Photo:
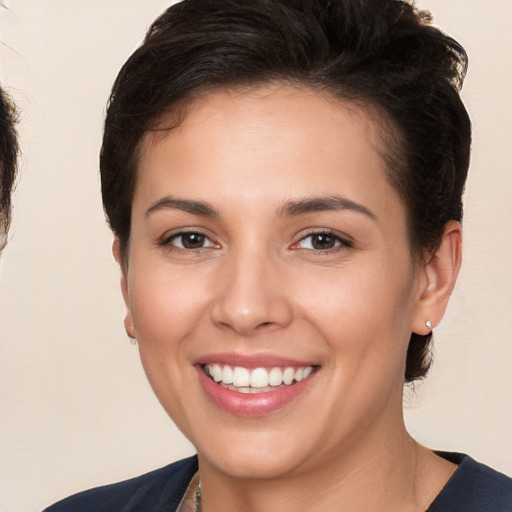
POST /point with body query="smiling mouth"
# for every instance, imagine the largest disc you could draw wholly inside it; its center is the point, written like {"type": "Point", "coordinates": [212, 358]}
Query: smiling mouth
{"type": "Point", "coordinates": [256, 380]}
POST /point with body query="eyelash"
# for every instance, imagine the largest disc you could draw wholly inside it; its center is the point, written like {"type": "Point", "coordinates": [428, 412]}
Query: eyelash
{"type": "Point", "coordinates": [339, 242]}
{"type": "Point", "coordinates": [168, 241]}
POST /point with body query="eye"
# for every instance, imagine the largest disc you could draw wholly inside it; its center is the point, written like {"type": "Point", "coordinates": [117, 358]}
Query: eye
{"type": "Point", "coordinates": [189, 240]}
{"type": "Point", "coordinates": [322, 241]}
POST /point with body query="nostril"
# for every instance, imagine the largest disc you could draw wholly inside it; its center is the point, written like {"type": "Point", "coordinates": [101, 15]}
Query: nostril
{"type": "Point", "coordinates": [267, 325]}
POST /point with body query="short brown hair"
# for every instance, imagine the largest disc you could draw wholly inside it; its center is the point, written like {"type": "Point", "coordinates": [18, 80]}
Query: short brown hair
{"type": "Point", "coordinates": [8, 161]}
{"type": "Point", "coordinates": [382, 53]}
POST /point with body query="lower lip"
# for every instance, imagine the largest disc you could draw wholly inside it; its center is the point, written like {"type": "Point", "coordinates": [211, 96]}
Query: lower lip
{"type": "Point", "coordinates": [251, 404]}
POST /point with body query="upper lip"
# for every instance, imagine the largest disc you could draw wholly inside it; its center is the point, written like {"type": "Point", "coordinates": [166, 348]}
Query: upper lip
{"type": "Point", "coordinates": [261, 360]}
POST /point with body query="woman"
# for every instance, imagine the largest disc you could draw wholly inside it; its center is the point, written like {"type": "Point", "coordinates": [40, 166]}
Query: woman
{"type": "Point", "coordinates": [284, 181]}
{"type": "Point", "coordinates": [8, 162]}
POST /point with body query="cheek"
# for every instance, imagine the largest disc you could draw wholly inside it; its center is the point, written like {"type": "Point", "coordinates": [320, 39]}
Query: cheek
{"type": "Point", "coordinates": [363, 312]}
{"type": "Point", "coordinates": [166, 305]}
{"type": "Point", "coordinates": [367, 295]}
{"type": "Point", "coordinates": [166, 309]}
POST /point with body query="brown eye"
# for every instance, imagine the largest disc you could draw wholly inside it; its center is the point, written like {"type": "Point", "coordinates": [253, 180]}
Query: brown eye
{"type": "Point", "coordinates": [323, 241]}
{"type": "Point", "coordinates": [190, 240]}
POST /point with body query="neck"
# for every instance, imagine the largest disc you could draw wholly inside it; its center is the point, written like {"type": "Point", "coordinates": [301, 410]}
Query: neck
{"type": "Point", "coordinates": [379, 475]}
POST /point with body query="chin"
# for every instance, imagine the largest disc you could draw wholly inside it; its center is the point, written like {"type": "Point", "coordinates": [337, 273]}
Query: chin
{"type": "Point", "coordinates": [252, 463]}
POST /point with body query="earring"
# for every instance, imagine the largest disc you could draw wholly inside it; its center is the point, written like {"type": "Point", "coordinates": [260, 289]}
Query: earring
{"type": "Point", "coordinates": [133, 341]}
{"type": "Point", "coordinates": [428, 323]}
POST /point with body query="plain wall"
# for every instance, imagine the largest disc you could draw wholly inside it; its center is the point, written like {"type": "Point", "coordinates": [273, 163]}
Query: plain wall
{"type": "Point", "coordinates": [75, 408]}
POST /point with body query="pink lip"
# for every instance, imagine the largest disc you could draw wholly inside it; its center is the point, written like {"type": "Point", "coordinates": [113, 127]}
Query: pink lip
{"type": "Point", "coordinates": [253, 404]}
{"type": "Point", "coordinates": [263, 360]}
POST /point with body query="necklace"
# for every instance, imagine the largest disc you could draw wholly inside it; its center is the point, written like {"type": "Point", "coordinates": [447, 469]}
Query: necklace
{"type": "Point", "coordinates": [198, 497]}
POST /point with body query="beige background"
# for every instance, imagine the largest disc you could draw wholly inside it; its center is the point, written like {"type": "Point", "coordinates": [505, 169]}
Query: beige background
{"type": "Point", "coordinates": [75, 408]}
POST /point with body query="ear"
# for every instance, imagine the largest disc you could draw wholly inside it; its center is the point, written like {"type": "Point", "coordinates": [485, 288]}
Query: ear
{"type": "Point", "coordinates": [128, 319]}
{"type": "Point", "coordinates": [438, 277]}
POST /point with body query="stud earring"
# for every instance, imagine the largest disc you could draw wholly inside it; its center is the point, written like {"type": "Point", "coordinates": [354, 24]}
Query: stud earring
{"type": "Point", "coordinates": [428, 323]}
{"type": "Point", "coordinates": [133, 341]}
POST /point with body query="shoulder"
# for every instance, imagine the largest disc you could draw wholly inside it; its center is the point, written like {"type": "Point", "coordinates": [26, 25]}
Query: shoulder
{"type": "Point", "coordinates": [156, 491]}
{"type": "Point", "coordinates": [474, 487]}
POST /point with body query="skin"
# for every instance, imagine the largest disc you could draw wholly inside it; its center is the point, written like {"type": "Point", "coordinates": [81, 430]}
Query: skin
{"type": "Point", "coordinates": [260, 284]}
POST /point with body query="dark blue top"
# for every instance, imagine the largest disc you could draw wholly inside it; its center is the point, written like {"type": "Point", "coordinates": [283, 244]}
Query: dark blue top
{"type": "Point", "coordinates": [472, 488]}
{"type": "Point", "coordinates": [159, 491]}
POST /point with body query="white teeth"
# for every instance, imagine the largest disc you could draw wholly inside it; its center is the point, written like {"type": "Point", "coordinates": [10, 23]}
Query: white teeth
{"type": "Point", "coordinates": [307, 372]}
{"type": "Point", "coordinates": [227, 375]}
{"type": "Point", "coordinates": [216, 372]}
{"type": "Point", "coordinates": [241, 377]}
{"type": "Point", "coordinates": [275, 377]}
{"type": "Point", "coordinates": [258, 378]}
{"type": "Point", "coordinates": [288, 376]}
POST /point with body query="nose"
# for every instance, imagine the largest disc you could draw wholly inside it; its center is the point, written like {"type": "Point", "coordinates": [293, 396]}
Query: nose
{"type": "Point", "coordinates": [252, 295]}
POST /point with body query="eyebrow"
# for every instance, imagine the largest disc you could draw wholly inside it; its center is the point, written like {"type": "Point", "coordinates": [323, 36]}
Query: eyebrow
{"type": "Point", "coordinates": [186, 205]}
{"type": "Point", "coordinates": [322, 204]}
{"type": "Point", "coordinates": [289, 209]}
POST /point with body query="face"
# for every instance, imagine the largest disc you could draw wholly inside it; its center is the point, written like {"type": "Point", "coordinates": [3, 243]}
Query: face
{"type": "Point", "coordinates": [270, 284]}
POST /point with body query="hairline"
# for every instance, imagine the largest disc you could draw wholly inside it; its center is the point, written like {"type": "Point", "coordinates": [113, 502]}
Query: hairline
{"type": "Point", "coordinates": [380, 121]}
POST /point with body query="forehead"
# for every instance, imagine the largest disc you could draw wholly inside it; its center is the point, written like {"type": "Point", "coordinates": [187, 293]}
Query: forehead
{"type": "Point", "coordinates": [253, 104]}
{"type": "Point", "coordinates": [268, 141]}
